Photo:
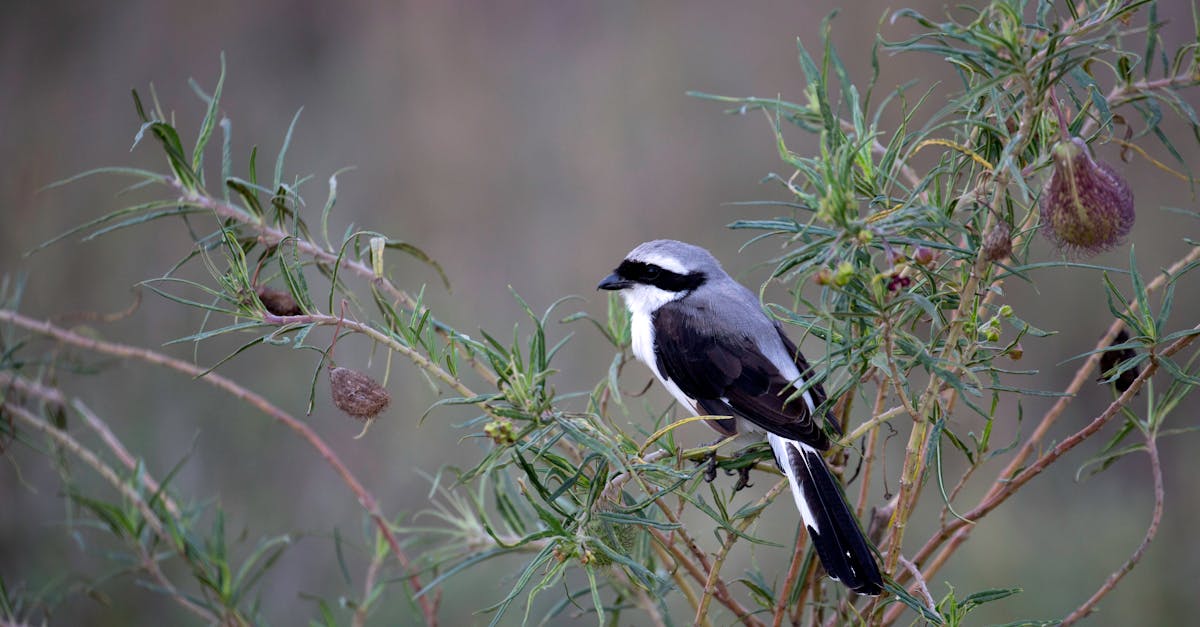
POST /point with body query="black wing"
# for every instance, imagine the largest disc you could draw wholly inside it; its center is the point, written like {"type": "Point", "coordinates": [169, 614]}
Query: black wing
{"type": "Point", "coordinates": [727, 374]}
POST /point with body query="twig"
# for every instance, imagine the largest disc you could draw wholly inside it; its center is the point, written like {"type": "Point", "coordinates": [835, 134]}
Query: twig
{"type": "Point", "coordinates": [710, 585]}
{"type": "Point", "coordinates": [1089, 606]}
{"type": "Point", "coordinates": [957, 530]}
{"type": "Point", "coordinates": [271, 236]}
{"type": "Point", "coordinates": [793, 573]}
{"type": "Point", "coordinates": [920, 581]}
{"type": "Point", "coordinates": [365, 498]}
{"type": "Point", "coordinates": [148, 560]}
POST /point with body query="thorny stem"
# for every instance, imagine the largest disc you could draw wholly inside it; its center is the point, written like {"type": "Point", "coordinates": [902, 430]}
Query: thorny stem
{"type": "Point", "coordinates": [365, 498]}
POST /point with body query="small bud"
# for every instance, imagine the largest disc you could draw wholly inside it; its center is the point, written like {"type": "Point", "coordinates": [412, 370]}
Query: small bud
{"type": "Point", "coordinates": [843, 274]}
{"type": "Point", "coordinates": [923, 255]}
{"type": "Point", "coordinates": [560, 554]}
{"type": "Point", "coordinates": [864, 236]}
{"type": "Point", "coordinates": [1016, 352]}
{"type": "Point", "coordinates": [1006, 311]}
{"type": "Point", "coordinates": [278, 302]}
{"type": "Point", "coordinates": [824, 276]}
{"type": "Point", "coordinates": [1086, 205]}
{"type": "Point", "coordinates": [357, 394]}
{"type": "Point", "coordinates": [997, 242]}
{"type": "Point", "coordinates": [898, 282]}
{"type": "Point", "coordinates": [501, 432]}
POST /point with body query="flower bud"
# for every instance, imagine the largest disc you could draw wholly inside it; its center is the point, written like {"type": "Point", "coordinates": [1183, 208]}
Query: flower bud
{"type": "Point", "coordinates": [843, 274]}
{"type": "Point", "coordinates": [357, 394]}
{"type": "Point", "coordinates": [824, 276]}
{"type": "Point", "coordinates": [500, 431]}
{"type": "Point", "coordinates": [1086, 206]}
{"type": "Point", "coordinates": [923, 255]}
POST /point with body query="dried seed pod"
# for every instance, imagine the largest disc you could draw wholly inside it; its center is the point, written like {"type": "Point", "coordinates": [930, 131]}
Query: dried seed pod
{"type": "Point", "coordinates": [997, 242]}
{"type": "Point", "coordinates": [1086, 206]}
{"type": "Point", "coordinates": [278, 302]}
{"type": "Point", "coordinates": [357, 394]}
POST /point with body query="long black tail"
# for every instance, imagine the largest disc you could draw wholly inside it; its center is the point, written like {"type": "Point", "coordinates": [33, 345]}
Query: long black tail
{"type": "Point", "coordinates": [844, 551]}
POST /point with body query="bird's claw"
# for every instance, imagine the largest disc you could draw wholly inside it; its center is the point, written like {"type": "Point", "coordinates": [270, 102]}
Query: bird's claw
{"type": "Point", "coordinates": [710, 466]}
{"type": "Point", "coordinates": [743, 477]}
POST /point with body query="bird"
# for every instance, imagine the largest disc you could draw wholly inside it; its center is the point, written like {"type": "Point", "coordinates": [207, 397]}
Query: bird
{"type": "Point", "coordinates": [710, 343]}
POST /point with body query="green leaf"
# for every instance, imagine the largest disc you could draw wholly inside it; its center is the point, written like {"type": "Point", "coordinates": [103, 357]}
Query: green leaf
{"type": "Point", "coordinates": [210, 117]}
{"type": "Point", "coordinates": [913, 603]}
{"type": "Point", "coordinates": [287, 141]}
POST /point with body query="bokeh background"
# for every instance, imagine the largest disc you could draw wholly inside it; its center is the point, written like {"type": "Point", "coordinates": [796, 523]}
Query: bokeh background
{"type": "Point", "coordinates": [520, 144]}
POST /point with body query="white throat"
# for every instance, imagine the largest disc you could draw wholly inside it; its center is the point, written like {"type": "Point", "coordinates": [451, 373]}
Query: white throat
{"type": "Point", "coordinates": [643, 301]}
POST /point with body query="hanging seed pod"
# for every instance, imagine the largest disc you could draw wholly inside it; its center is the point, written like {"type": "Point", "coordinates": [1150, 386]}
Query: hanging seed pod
{"type": "Point", "coordinates": [1086, 206]}
{"type": "Point", "coordinates": [357, 394]}
{"type": "Point", "coordinates": [997, 242]}
{"type": "Point", "coordinates": [278, 302]}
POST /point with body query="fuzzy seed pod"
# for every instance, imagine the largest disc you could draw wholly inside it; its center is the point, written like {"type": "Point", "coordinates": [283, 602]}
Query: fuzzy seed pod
{"type": "Point", "coordinates": [997, 242]}
{"type": "Point", "coordinates": [278, 302]}
{"type": "Point", "coordinates": [1086, 206]}
{"type": "Point", "coordinates": [357, 394]}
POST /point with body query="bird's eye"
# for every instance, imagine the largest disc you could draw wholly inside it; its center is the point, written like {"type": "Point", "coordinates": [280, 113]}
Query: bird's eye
{"type": "Point", "coordinates": [652, 272]}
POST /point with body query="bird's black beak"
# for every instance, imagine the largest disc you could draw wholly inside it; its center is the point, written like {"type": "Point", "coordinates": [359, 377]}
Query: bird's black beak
{"type": "Point", "coordinates": [613, 282]}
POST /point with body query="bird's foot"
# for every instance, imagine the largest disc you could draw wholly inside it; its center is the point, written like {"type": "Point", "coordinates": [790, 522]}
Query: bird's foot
{"type": "Point", "coordinates": [743, 474]}
{"type": "Point", "coordinates": [710, 463]}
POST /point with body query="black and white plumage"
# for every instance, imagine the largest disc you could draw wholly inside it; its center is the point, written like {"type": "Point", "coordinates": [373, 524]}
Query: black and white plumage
{"type": "Point", "coordinates": [709, 342]}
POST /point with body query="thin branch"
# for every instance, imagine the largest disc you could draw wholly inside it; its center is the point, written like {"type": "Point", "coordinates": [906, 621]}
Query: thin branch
{"type": "Point", "coordinates": [271, 236]}
{"type": "Point", "coordinates": [957, 530]}
{"type": "Point", "coordinates": [365, 498]}
{"type": "Point", "coordinates": [1089, 606]}
{"type": "Point", "coordinates": [710, 585]}
{"type": "Point", "coordinates": [148, 561]}
{"type": "Point", "coordinates": [793, 573]}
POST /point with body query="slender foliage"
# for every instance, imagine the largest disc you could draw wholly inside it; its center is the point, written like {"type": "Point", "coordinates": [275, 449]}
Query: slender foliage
{"type": "Point", "coordinates": [897, 237]}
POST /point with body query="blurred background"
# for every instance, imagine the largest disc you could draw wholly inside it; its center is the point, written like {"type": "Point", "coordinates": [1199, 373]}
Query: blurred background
{"type": "Point", "coordinates": [520, 144]}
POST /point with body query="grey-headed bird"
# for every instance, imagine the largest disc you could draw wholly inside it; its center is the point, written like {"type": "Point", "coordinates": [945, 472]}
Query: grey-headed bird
{"type": "Point", "coordinates": [709, 342]}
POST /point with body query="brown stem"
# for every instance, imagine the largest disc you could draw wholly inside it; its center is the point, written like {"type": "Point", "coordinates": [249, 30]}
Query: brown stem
{"type": "Point", "coordinates": [793, 573]}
